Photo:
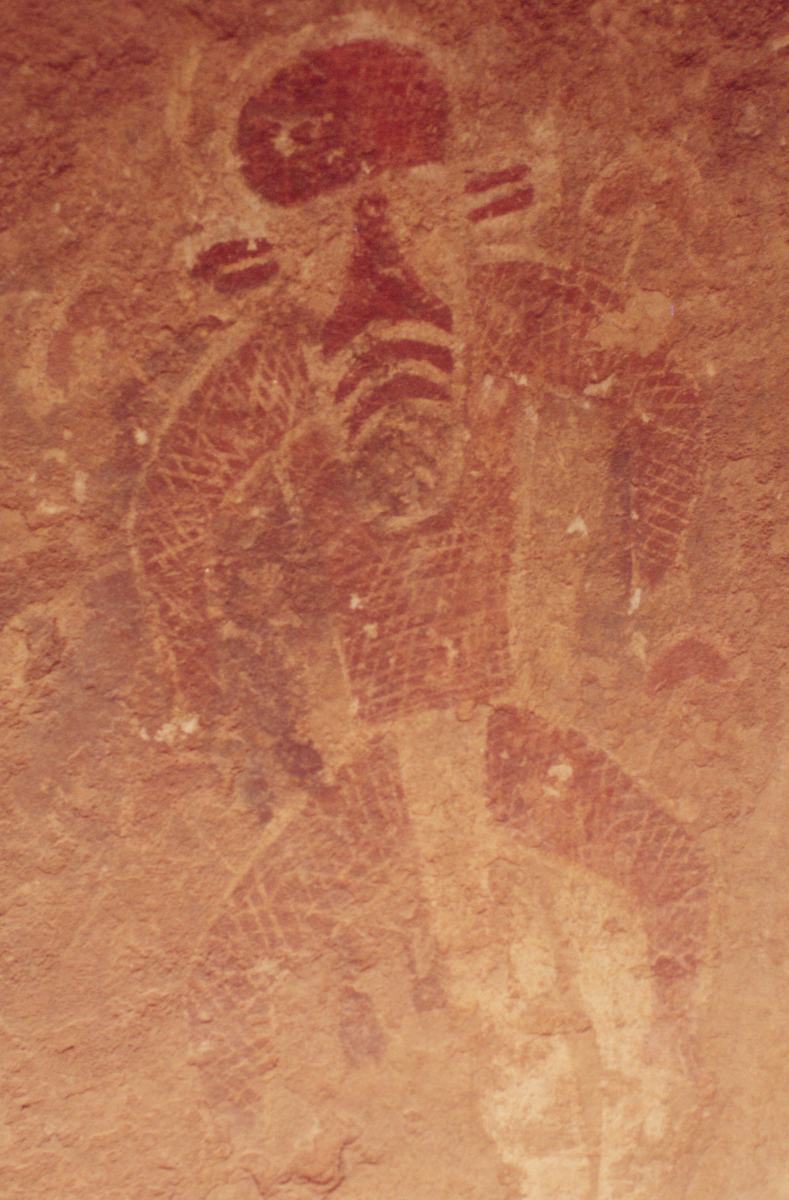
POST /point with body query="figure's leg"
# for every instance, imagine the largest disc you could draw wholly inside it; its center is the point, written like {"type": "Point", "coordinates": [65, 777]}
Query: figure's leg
{"type": "Point", "coordinates": [569, 800]}
{"type": "Point", "coordinates": [316, 1008]}
{"type": "Point", "coordinates": [641, 944]}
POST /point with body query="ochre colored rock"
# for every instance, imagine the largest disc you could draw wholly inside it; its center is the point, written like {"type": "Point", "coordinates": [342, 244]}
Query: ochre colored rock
{"type": "Point", "coordinates": [393, 587]}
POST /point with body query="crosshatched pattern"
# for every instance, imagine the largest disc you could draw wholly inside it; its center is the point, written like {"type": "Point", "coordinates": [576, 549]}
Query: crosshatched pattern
{"type": "Point", "coordinates": [237, 414]}
{"type": "Point", "coordinates": [392, 575]}
{"type": "Point", "coordinates": [421, 612]}
{"type": "Point", "coordinates": [337, 889]}
{"type": "Point", "coordinates": [567, 799]}
{"type": "Point", "coordinates": [546, 324]}
{"type": "Point", "coordinates": [332, 537]}
{"type": "Point", "coordinates": [394, 483]}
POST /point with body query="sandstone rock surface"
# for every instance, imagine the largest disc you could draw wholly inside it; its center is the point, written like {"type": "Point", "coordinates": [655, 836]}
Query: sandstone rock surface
{"type": "Point", "coordinates": [393, 600]}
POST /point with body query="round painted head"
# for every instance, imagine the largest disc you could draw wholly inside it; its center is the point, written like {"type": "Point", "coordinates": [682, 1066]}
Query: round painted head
{"type": "Point", "coordinates": [354, 109]}
{"type": "Point", "coordinates": [341, 128]}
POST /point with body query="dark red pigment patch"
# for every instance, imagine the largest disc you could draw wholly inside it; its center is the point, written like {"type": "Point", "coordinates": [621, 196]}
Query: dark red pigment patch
{"type": "Point", "coordinates": [503, 205]}
{"type": "Point", "coordinates": [364, 105]}
{"type": "Point", "coordinates": [212, 263]}
{"type": "Point", "coordinates": [379, 284]}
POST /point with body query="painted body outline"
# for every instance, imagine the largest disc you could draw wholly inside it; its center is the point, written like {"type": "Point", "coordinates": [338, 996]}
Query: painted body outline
{"type": "Point", "coordinates": [194, 498]}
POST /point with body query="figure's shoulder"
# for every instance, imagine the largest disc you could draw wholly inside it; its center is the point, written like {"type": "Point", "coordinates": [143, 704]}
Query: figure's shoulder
{"type": "Point", "coordinates": [526, 281]}
{"type": "Point", "coordinates": [251, 362]}
{"type": "Point", "coordinates": [570, 331]}
{"type": "Point", "coordinates": [533, 317]}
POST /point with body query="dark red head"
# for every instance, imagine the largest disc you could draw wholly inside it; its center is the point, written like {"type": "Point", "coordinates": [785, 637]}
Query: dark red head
{"type": "Point", "coordinates": [363, 106]}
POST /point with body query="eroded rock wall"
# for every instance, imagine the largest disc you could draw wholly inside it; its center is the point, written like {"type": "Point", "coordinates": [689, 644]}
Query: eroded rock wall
{"type": "Point", "coordinates": [393, 554]}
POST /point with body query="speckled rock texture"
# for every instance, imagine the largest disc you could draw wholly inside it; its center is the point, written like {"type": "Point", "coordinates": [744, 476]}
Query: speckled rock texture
{"type": "Point", "coordinates": [393, 600]}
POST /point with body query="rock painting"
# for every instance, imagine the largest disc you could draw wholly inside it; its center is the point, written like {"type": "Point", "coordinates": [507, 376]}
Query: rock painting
{"type": "Point", "coordinates": [392, 601]}
{"type": "Point", "coordinates": [381, 444]}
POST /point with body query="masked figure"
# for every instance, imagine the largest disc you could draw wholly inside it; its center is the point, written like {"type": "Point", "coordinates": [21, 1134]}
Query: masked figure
{"type": "Point", "coordinates": [336, 506]}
